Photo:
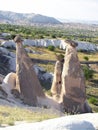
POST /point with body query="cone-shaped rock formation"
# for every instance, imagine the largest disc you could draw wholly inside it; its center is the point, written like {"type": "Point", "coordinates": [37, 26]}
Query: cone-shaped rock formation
{"type": "Point", "coordinates": [73, 82]}
{"type": "Point", "coordinates": [26, 80]}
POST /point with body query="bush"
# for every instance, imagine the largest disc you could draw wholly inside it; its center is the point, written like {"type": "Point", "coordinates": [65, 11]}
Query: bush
{"type": "Point", "coordinates": [53, 36]}
{"type": "Point", "coordinates": [86, 58]}
{"type": "Point", "coordinates": [92, 100]}
{"type": "Point", "coordinates": [88, 73]}
{"type": "Point", "coordinates": [51, 48]}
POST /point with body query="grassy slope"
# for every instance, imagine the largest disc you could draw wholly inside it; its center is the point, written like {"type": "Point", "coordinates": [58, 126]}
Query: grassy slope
{"type": "Point", "coordinates": [9, 115]}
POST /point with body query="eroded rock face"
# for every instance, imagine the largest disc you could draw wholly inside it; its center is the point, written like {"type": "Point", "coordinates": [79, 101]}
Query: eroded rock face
{"type": "Point", "coordinates": [26, 79]}
{"type": "Point", "coordinates": [73, 82]}
{"type": "Point", "coordinates": [57, 81]}
{"type": "Point", "coordinates": [1, 78]}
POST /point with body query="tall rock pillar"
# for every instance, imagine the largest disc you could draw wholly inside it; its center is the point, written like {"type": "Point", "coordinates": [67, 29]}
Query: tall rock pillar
{"type": "Point", "coordinates": [57, 79]}
{"type": "Point", "coordinates": [73, 82]}
{"type": "Point", "coordinates": [26, 79]}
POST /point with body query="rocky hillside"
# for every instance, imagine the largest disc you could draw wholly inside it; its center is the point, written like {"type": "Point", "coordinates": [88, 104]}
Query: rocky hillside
{"type": "Point", "coordinates": [8, 64]}
{"type": "Point", "coordinates": [20, 18]}
{"type": "Point", "coordinates": [83, 46]}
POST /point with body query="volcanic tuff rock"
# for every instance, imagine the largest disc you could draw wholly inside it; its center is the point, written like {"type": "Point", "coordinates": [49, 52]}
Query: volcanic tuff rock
{"type": "Point", "coordinates": [57, 81]}
{"type": "Point", "coordinates": [26, 79]}
{"type": "Point", "coordinates": [73, 82]}
{"type": "Point", "coordinates": [85, 46]}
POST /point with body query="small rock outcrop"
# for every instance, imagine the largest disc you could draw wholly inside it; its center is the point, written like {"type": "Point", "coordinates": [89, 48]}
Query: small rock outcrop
{"type": "Point", "coordinates": [9, 83]}
{"type": "Point", "coordinates": [73, 82]}
{"type": "Point", "coordinates": [26, 79]}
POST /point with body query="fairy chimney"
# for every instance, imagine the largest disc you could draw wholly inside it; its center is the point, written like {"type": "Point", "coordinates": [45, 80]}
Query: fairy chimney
{"type": "Point", "coordinates": [73, 82]}
{"type": "Point", "coordinates": [57, 81]}
{"type": "Point", "coordinates": [26, 79]}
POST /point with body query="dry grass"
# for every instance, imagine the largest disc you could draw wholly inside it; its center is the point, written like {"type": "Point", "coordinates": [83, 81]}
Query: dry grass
{"type": "Point", "coordinates": [44, 54]}
{"type": "Point", "coordinates": [48, 67]}
{"type": "Point", "coordinates": [9, 115]}
{"type": "Point", "coordinates": [91, 56]}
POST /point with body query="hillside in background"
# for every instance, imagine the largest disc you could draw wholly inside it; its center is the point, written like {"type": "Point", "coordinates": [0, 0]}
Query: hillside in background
{"type": "Point", "coordinates": [22, 18]}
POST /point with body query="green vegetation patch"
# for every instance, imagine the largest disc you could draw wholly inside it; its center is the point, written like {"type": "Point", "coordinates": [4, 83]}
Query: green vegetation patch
{"type": "Point", "coordinates": [93, 100]}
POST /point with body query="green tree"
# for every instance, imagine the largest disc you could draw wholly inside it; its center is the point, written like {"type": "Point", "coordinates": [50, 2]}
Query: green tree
{"type": "Point", "coordinates": [86, 58]}
{"type": "Point", "coordinates": [51, 48]}
{"type": "Point", "coordinates": [88, 73]}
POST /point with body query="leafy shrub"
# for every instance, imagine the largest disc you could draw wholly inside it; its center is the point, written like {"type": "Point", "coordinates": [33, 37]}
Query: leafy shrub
{"type": "Point", "coordinates": [93, 100]}
{"type": "Point", "coordinates": [53, 36]}
{"type": "Point", "coordinates": [86, 58]}
{"type": "Point", "coordinates": [51, 48]}
{"type": "Point", "coordinates": [88, 73]}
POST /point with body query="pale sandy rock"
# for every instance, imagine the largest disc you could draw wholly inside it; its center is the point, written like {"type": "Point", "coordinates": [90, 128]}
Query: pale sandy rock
{"type": "Point", "coordinates": [5, 34]}
{"type": "Point", "coordinates": [54, 42]}
{"type": "Point", "coordinates": [62, 44]}
{"type": "Point", "coordinates": [29, 42]}
{"type": "Point", "coordinates": [9, 83]}
{"type": "Point", "coordinates": [86, 46]}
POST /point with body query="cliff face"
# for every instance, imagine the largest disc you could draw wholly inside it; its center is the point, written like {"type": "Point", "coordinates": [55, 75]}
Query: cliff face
{"type": "Point", "coordinates": [54, 42]}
